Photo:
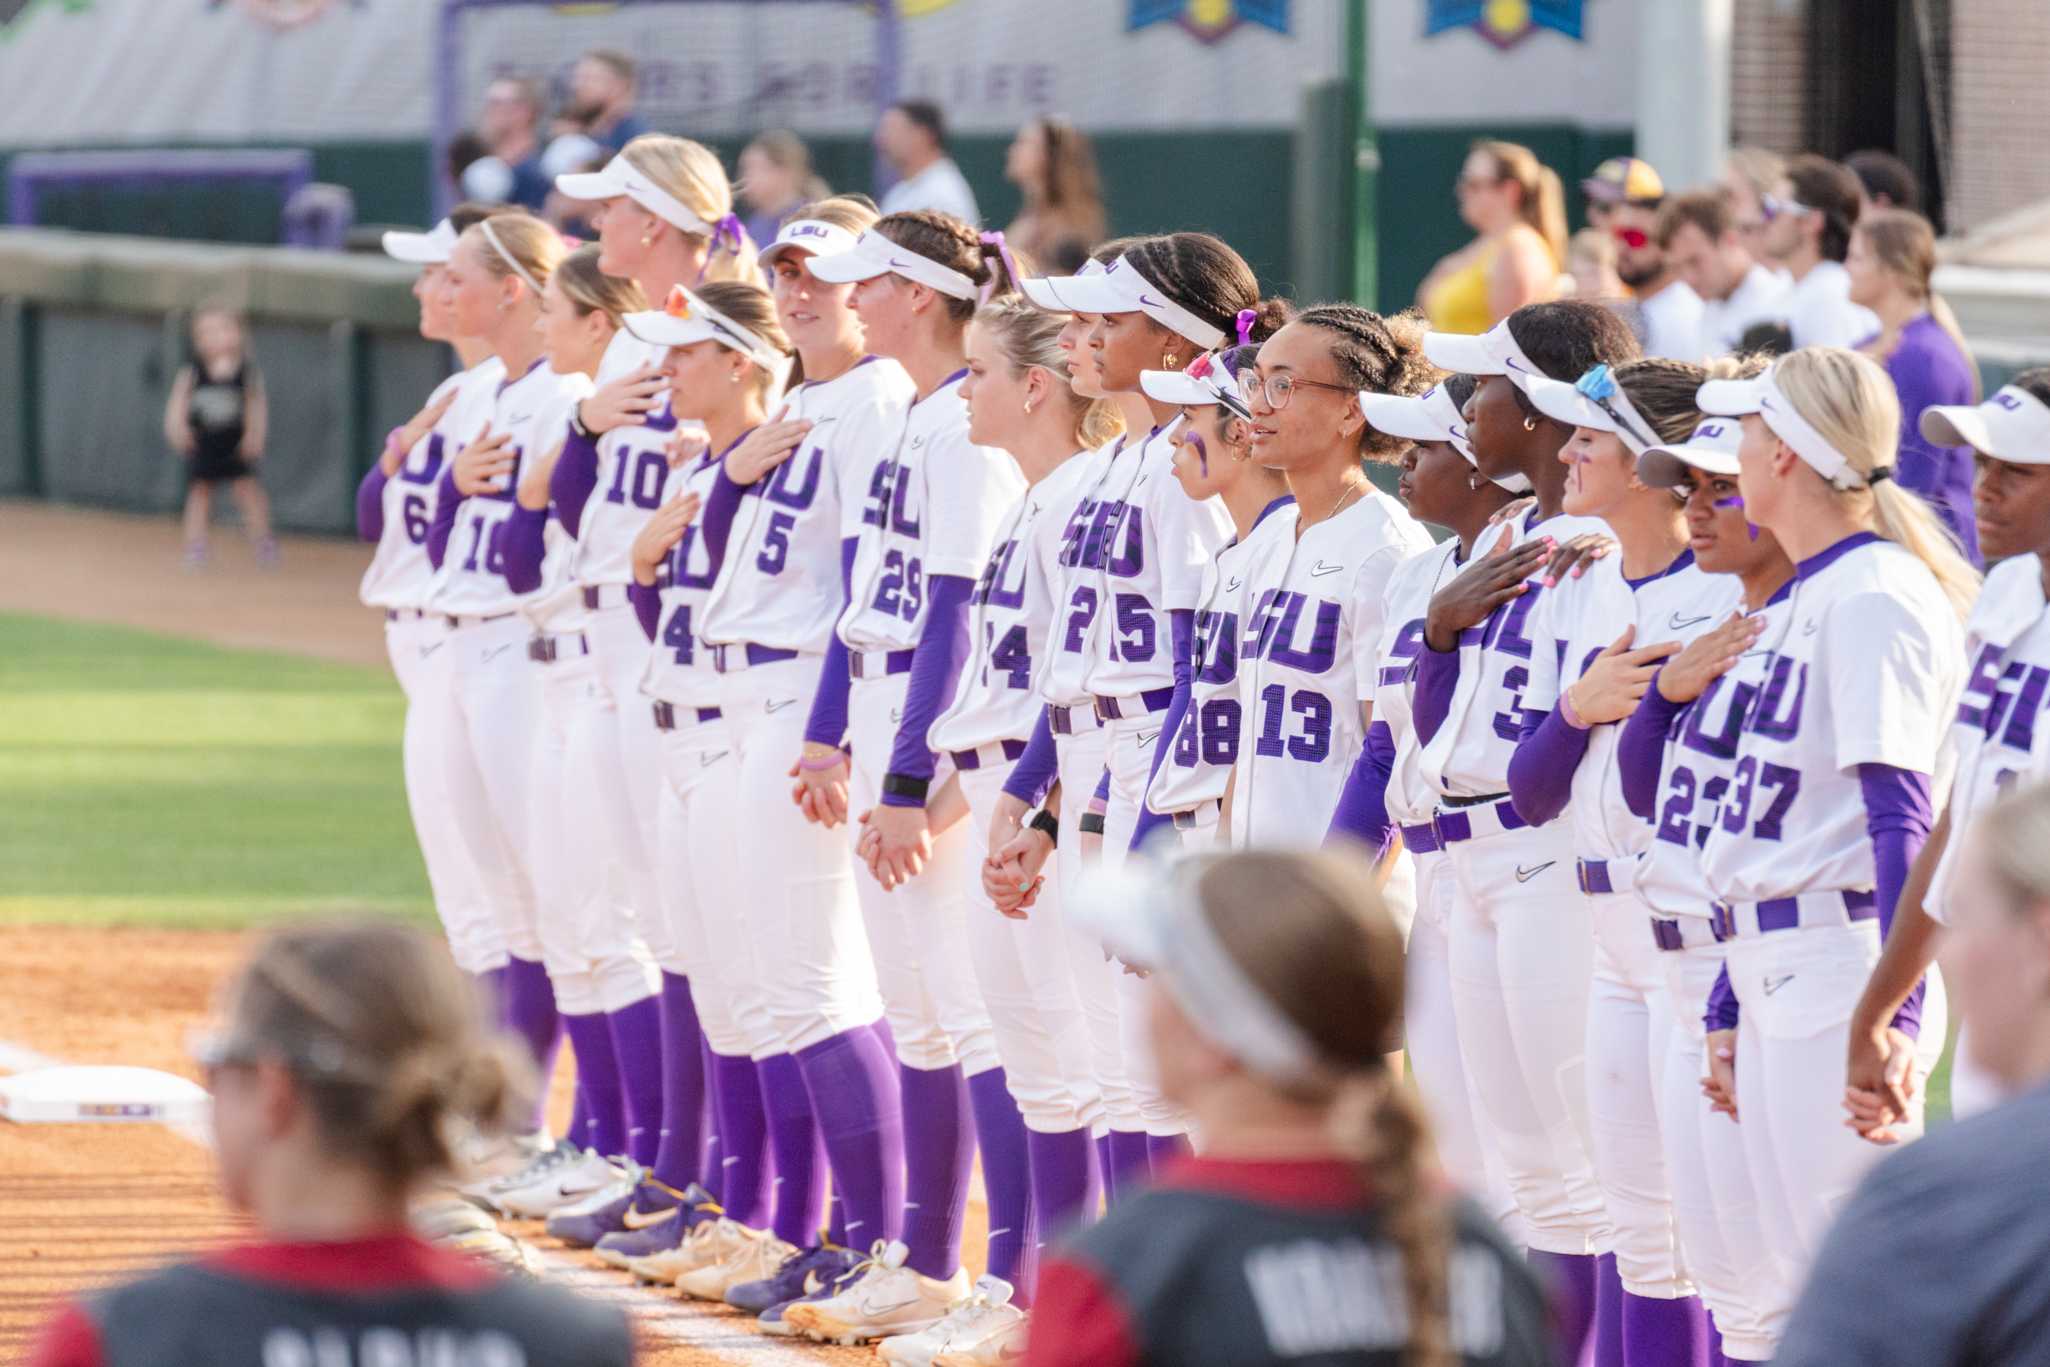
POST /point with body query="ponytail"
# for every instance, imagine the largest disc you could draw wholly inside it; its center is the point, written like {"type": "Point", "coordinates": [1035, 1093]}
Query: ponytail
{"type": "Point", "coordinates": [1399, 1171]}
{"type": "Point", "coordinates": [1548, 214]}
{"type": "Point", "coordinates": [1903, 518]}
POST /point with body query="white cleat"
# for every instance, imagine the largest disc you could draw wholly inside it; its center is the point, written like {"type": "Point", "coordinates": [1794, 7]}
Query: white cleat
{"type": "Point", "coordinates": [709, 1243]}
{"type": "Point", "coordinates": [754, 1255]}
{"type": "Point", "coordinates": [883, 1300]}
{"type": "Point", "coordinates": [485, 1191]}
{"type": "Point", "coordinates": [985, 1315]}
{"type": "Point", "coordinates": [1002, 1349]}
{"type": "Point", "coordinates": [560, 1185]}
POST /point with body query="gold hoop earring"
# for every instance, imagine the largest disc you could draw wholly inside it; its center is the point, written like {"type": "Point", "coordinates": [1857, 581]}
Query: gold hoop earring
{"type": "Point", "coordinates": [1474, 482]}
{"type": "Point", "coordinates": [1170, 361]}
{"type": "Point", "coordinates": [1529, 423]}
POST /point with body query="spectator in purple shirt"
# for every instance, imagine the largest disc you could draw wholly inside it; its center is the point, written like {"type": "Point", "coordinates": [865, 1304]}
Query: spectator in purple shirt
{"type": "Point", "coordinates": [1892, 255]}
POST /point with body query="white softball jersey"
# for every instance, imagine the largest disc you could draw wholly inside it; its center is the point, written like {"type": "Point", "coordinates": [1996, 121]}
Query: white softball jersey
{"type": "Point", "coordinates": [1067, 661]}
{"type": "Point", "coordinates": [1696, 769]}
{"type": "Point", "coordinates": [1866, 669]}
{"type": "Point", "coordinates": [1011, 614]}
{"type": "Point", "coordinates": [1153, 545]}
{"type": "Point", "coordinates": [1575, 623]}
{"type": "Point", "coordinates": [934, 507]}
{"type": "Point", "coordinates": [534, 410]}
{"type": "Point", "coordinates": [784, 588]}
{"type": "Point", "coordinates": [1469, 757]}
{"type": "Point", "coordinates": [1308, 657]}
{"type": "Point", "coordinates": [1198, 764]}
{"type": "Point", "coordinates": [400, 574]}
{"type": "Point", "coordinates": [633, 467]}
{"type": "Point", "coordinates": [1410, 797]}
{"type": "Point", "coordinates": [1999, 734]}
{"type": "Point", "coordinates": [679, 663]}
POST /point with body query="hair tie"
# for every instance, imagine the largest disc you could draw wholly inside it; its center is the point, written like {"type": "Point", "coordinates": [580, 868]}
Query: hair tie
{"type": "Point", "coordinates": [1244, 323]}
{"type": "Point", "coordinates": [989, 287]}
{"type": "Point", "coordinates": [1880, 474]}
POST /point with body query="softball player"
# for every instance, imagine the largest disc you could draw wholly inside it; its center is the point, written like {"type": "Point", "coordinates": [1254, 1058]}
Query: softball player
{"type": "Point", "coordinates": [935, 502]}
{"type": "Point", "coordinates": [1834, 764]}
{"type": "Point", "coordinates": [2007, 648]}
{"type": "Point", "coordinates": [1520, 940]}
{"type": "Point", "coordinates": [768, 622]}
{"type": "Point", "coordinates": [1595, 644]}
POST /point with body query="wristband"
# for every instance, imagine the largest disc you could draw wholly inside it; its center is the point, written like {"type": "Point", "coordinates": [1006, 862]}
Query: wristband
{"type": "Point", "coordinates": [904, 785]}
{"type": "Point", "coordinates": [1092, 823]}
{"type": "Point", "coordinates": [576, 422]}
{"type": "Point", "coordinates": [1048, 824]}
{"type": "Point", "coordinates": [1569, 713]}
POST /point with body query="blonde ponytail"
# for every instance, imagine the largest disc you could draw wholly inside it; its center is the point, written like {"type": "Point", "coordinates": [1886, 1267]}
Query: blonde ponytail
{"type": "Point", "coordinates": [692, 174]}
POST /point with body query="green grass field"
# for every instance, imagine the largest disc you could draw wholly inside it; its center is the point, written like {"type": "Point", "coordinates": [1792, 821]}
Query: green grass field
{"type": "Point", "coordinates": [149, 780]}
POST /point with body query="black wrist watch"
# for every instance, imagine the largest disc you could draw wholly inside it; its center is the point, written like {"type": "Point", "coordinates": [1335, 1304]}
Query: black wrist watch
{"type": "Point", "coordinates": [904, 785]}
{"type": "Point", "coordinates": [1047, 823]}
{"type": "Point", "coordinates": [1091, 823]}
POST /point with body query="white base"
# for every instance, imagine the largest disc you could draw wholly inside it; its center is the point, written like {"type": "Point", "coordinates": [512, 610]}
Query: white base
{"type": "Point", "coordinates": [97, 1096]}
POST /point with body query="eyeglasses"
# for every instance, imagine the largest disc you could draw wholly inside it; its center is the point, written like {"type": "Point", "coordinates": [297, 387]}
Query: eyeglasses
{"type": "Point", "coordinates": [1279, 389]}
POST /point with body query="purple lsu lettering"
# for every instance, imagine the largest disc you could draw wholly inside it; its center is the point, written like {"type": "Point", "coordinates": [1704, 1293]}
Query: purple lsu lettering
{"type": "Point", "coordinates": [1210, 734]}
{"type": "Point", "coordinates": [1714, 726]}
{"type": "Point", "coordinates": [2004, 697]}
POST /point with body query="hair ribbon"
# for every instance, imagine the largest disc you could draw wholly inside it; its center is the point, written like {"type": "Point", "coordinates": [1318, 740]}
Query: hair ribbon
{"type": "Point", "coordinates": [1244, 323]}
{"type": "Point", "coordinates": [996, 239]}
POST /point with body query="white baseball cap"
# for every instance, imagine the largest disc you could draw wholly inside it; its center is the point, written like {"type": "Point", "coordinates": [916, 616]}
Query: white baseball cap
{"type": "Point", "coordinates": [1763, 396]}
{"type": "Point", "coordinates": [684, 319]}
{"type": "Point", "coordinates": [1494, 352]}
{"type": "Point", "coordinates": [2012, 425]}
{"type": "Point", "coordinates": [1711, 448]}
{"type": "Point", "coordinates": [1205, 382]}
{"type": "Point", "coordinates": [1596, 402]}
{"type": "Point", "coordinates": [1429, 416]}
{"type": "Point", "coordinates": [431, 248]}
{"type": "Point", "coordinates": [622, 177]}
{"type": "Point", "coordinates": [809, 234]}
{"type": "Point", "coordinates": [872, 255]}
{"type": "Point", "coordinates": [1119, 287]}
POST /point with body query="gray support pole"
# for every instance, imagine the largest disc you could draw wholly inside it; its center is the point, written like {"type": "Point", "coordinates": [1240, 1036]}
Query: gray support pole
{"type": "Point", "coordinates": [1683, 89]}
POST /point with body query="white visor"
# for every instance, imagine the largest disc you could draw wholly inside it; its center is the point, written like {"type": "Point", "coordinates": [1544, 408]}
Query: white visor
{"type": "Point", "coordinates": [686, 319]}
{"type": "Point", "coordinates": [1711, 448]}
{"type": "Point", "coordinates": [809, 234]}
{"type": "Point", "coordinates": [873, 254]}
{"type": "Point", "coordinates": [431, 248]}
{"type": "Point", "coordinates": [1576, 407]}
{"type": "Point", "coordinates": [2012, 425]}
{"type": "Point", "coordinates": [1206, 383]}
{"type": "Point", "coordinates": [1120, 288]}
{"type": "Point", "coordinates": [1429, 416]}
{"type": "Point", "coordinates": [1044, 291]}
{"type": "Point", "coordinates": [1494, 352]}
{"type": "Point", "coordinates": [1740, 398]}
{"type": "Point", "coordinates": [622, 177]}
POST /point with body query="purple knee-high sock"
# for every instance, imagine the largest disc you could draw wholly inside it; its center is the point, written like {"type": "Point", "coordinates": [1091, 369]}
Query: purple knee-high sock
{"type": "Point", "coordinates": [743, 1140]}
{"type": "Point", "coordinates": [861, 1118]}
{"type": "Point", "coordinates": [598, 1077]}
{"type": "Point", "coordinates": [1608, 1312]}
{"type": "Point", "coordinates": [530, 1014]}
{"type": "Point", "coordinates": [1006, 1175]}
{"type": "Point", "coordinates": [939, 1154]}
{"type": "Point", "coordinates": [1163, 1151]}
{"type": "Point", "coordinates": [579, 1131]}
{"type": "Point", "coordinates": [637, 1044]}
{"type": "Point", "coordinates": [1130, 1164]}
{"type": "Point", "coordinates": [1064, 1192]}
{"type": "Point", "coordinates": [1569, 1280]}
{"type": "Point", "coordinates": [800, 1158]}
{"type": "Point", "coordinates": [1715, 1344]}
{"type": "Point", "coordinates": [1665, 1333]}
{"type": "Point", "coordinates": [680, 1157]}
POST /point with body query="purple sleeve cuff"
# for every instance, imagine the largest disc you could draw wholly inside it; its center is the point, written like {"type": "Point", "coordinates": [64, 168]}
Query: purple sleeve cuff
{"type": "Point", "coordinates": [1898, 818]}
{"type": "Point", "coordinates": [1103, 787]}
{"type": "Point", "coordinates": [647, 601]}
{"type": "Point", "coordinates": [1641, 750]}
{"type": "Point", "coordinates": [715, 519]}
{"type": "Point", "coordinates": [936, 663]}
{"type": "Point", "coordinates": [522, 545]}
{"type": "Point", "coordinates": [1362, 813]}
{"type": "Point", "coordinates": [574, 477]}
{"type": "Point", "coordinates": [1437, 676]}
{"type": "Point", "coordinates": [370, 503]}
{"type": "Point", "coordinates": [1541, 771]}
{"type": "Point", "coordinates": [1722, 1010]}
{"type": "Point", "coordinates": [828, 723]}
{"type": "Point", "coordinates": [446, 502]}
{"type": "Point", "coordinates": [1033, 774]}
{"type": "Point", "coordinates": [1182, 629]}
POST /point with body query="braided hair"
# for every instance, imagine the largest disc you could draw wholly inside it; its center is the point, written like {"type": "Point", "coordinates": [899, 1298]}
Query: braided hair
{"type": "Point", "coordinates": [952, 243]}
{"type": "Point", "coordinates": [1377, 353]}
{"type": "Point", "coordinates": [1206, 277]}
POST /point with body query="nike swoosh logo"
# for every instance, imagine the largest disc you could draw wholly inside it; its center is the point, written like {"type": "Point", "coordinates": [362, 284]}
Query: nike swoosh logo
{"type": "Point", "coordinates": [707, 761]}
{"type": "Point", "coordinates": [896, 714]}
{"type": "Point", "coordinates": [1773, 985]}
{"type": "Point", "coordinates": [425, 651]}
{"type": "Point", "coordinates": [494, 654]}
{"type": "Point", "coordinates": [1680, 623]}
{"type": "Point", "coordinates": [1150, 300]}
{"type": "Point", "coordinates": [1510, 361]}
{"type": "Point", "coordinates": [1233, 585]}
{"type": "Point", "coordinates": [777, 706]}
{"type": "Point", "coordinates": [1148, 737]}
{"type": "Point", "coordinates": [1524, 875]}
{"type": "Point", "coordinates": [1810, 627]}
{"type": "Point", "coordinates": [869, 1307]}
{"type": "Point", "coordinates": [812, 1283]}
{"type": "Point", "coordinates": [564, 1189]}
{"type": "Point", "coordinates": [523, 417]}
{"type": "Point", "coordinates": [1320, 568]}
{"type": "Point", "coordinates": [634, 1219]}
{"type": "Point", "coordinates": [897, 265]}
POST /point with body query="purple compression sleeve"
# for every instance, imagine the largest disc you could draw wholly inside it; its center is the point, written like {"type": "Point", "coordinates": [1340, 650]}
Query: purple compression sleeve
{"type": "Point", "coordinates": [370, 503]}
{"type": "Point", "coordinates": [1722, 1003]}
{"type": "Point", "coordinates": [1437, 675]}
{"type": "Point", "coordinates": [574, 477]}
{"type": "Point", "coordinates": [1541, 771]}
{"type": "Point", "coordinates": [935, 668]}
{"type": "Point", "coordinates": [522, 546]}
{"type": "Point", "coordinates": [828, 723]}
{"type": "Point", "coordinates": [647, 601]}
{"type": "Point", "coordinates": [1898, 818]}
{"type": "Point", "coordinates": [715, 519]}
{"type": "Point", "coordinates": [1182, 629]}
{"type": "Point", "coordinates": [1641, 750]}
{"type": "Point", "coordinates": [1034, 772]}
{"type": "Point", "coordinates": [446, 501]}
{"type": "Point", "coordinates": [1362, 813]}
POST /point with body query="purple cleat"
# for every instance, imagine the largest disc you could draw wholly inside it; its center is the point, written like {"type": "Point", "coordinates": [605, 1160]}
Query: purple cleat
{"type": "Point", "coordinates": [641, 1236]}
{"type": "Point", "coordinates": [643, 1203]}
{"type": "Point", "coordinates": [809, 1274]}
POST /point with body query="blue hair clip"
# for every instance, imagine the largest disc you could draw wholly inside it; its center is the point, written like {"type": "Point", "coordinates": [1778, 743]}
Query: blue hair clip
{"type": "Point", "coordinates": [1597, 384]}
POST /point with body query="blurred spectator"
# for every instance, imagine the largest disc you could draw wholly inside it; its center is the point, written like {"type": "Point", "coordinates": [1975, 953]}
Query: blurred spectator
{"type": "Point", "coordinates": [775, 178]}
{"type": "Point", "coordinates": [217, 418]}
{"type": "Point", "coordinates": [1888, 182]}
{"type": "Point", "coordinates": [1971, 1286]}
{"type": "Point", "coordinates": [512, 173]}
{"type": "Point", "coordinates": [1671, 308]}
{"type": "Point", "coordinates": [1809, 216]}
{"type": "Point", "coordinates": [1053, 164]}
{"type": "Point", "coordinates": [1620, 180]}
{"type": "Point", "coordinates": [465, 150]}
{"type": "Point", "coordinates": [1749, 175]}
{"type": "Point", "coordinates": [1704, 248]}
{"type": "Point", "coordinates": [1517, 208]}
{"type": "Point", "coordinates": [601, 98]}
{"type": "Point", "coordinates": [912, 137]}
{"type": "Point", "coordinates": [1892, 256]}
{"type": "Point", "coordinates": [1591, 261]}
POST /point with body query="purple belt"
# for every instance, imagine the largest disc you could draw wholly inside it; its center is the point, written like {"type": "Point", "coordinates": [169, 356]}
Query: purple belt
{"type": "Point", "coordinates": [1455, 826]}
{"type": "Point", "coordinates": [594, 596]}
{"type": "Point", "coordinates": [972, 759]}
{"type": "Point", "coordinates": [404, 614]}
{"type": "Point", "coordinates": [876, 664]}
{"type": "Point", "coordinates": [1062, 720]}
{"type": "Point", "coordinates": [1594, 876]}
{"type": "Point", "coordinates": [455, 623]}
{"type": "Point", "coordinates": [548, 649]}
{"type": "Point", "coordinates": [665, 715]}
{"type": "Point", "coordinates": [1784, 913]}
{"type": "Point", "coordinates": [1126, 709]}
{"type": "Point", "coordinates": [1672, 934]}
{"type": "Point", "coordinates": [1420, 839]}
{"type": "Point", "coordinates": [727, 659]}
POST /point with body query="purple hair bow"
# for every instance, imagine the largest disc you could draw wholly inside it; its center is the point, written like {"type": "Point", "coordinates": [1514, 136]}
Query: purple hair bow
{"type": "Point", "coordinates": [1245, 321]}
{"type": "Point", "coordinates": [996, 240]}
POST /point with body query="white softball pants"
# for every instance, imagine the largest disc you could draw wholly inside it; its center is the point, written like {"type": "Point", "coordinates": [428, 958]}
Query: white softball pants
{"type": "Point", "coordinates": [917, 934]}
{"type": "Point", "coordinates": [1025, 971]}
{"type": "Point", "coordinates": [420, 659]}
{"type": "Point", "coordinates": [618, 751]}
{"type": "Point", "coordinates": [487, 758]}
{"type": "Point", "coordinates": [1522, 962]}
{"type": "Point", "coordinates": [1079, 759]}
{"type": "Point", "coordinates": [1129, 749]}
{"type": "Point", "coordinates": [596, 962]}
{"type": "Point", "coordinates": [794, 879]}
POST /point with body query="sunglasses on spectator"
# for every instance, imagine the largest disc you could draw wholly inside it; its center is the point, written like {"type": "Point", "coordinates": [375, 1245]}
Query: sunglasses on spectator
{"type": "Point", "coordinates": [1636, 239]}
{"type": "Point", "coordinates": [1772, 206]}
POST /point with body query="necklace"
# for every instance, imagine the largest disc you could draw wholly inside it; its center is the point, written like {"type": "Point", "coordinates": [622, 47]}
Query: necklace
{"type": "Point", "coordinates": [1350, 490]}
